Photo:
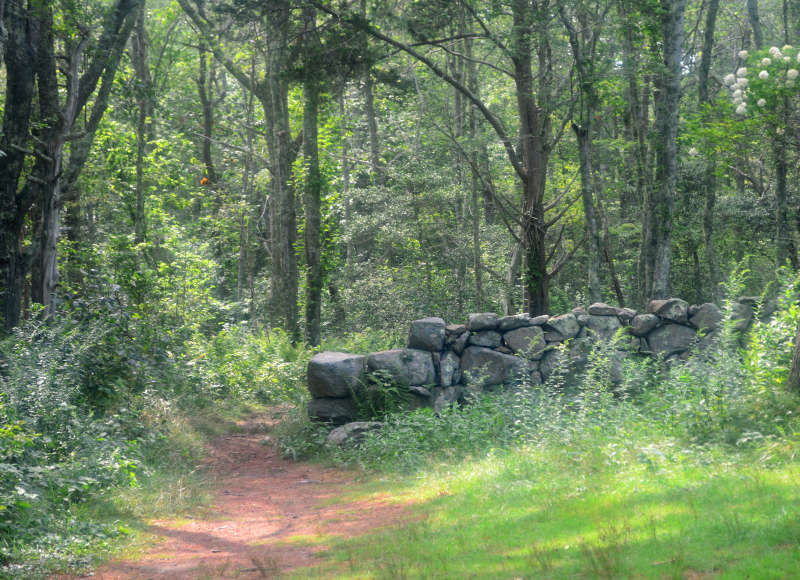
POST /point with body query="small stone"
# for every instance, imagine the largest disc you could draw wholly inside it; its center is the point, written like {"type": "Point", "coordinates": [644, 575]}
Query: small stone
{"type": "Point", "coordinates": [486, 338]}
{"type": "Point", "coordinates": [539, 320]}
{"type": "Point", "coordinates": [583, 319]}
{"type": "Point", "coordinates": [603, 326]}
{"type": "Point", "coordinates": [419, 391]}
{"type": "Point", "coordinates": [673, 309]}
{"type": "Point", "coordinates": [706, 317]}
{"type": "Point", "coordinates": [566, 325]}
{"type": "Point", "coordinates": [461, 343]}
{"type": "Point", "coordinates": [507, 323]}
{"type": "Point", "coordinates": [482, 321]}
{"type": "Point", "coordinates": [504, 350]}
{"type": "Point", "coordinates": [352, 433]}
{"type": "Point", "coordinates": [742, 313]}
{"type": "Point", "coordinates": [626, 314]}
{"type": "Point", "coordinates": [603, 309]}
{"type": "Point", "coordinates": [455, 329]}
{"type": "Point", "coordinates": [579, 311]}
{"type": "Point", "coordinates": [644, 323]}
{"type": "Point", "coordinates": [528, 342]}
{"type": "Point", "coordinates": [449, 369]}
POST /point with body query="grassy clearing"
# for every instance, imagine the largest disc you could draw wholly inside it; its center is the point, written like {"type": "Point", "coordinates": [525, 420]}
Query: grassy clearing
{"type": "Point", "coordinates": [606, 508]}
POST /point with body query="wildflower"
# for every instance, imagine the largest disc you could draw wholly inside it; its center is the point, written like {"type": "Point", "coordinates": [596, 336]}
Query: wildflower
{"type": "Point", "coordinates": [792, 73]}
{"type": "Point", "coordinates": [763, 75]}
{"type": "Point", "coordinates": [762, 102]}
{"type": "Point", "coordinates": [787, 47]}
{"type": "Point", "coordinates": [743, 82]}
{"type": "Point", "coordinates": [775, 52]}
{"type": "Point", "coordinates": [741, 109]}
{"type": "Point", "coordinates": [693, 151]}
{"type": "Point", "coordinates": [743, 54]}
{"type": "Point", "coordinates": [737, 94]}
{"type": "Point", "coordinates": [787, 59]}
{"type": "Point", "coordinates": [789, 84]}
{"type": "Point", "coordinates": [798, 56]}
{"type": "Point", "coordinates": [765, 61]}
{"type": "Point", "coordinates": [730, 79]}
{"type": "Point", "coordinates": [742, 72]}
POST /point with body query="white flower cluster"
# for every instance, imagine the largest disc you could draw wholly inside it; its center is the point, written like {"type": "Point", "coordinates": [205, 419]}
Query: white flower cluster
{"type": "Point", "coordinates": [738, 84]}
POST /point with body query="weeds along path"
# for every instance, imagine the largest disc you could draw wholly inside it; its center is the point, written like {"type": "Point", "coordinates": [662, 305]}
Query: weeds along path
{"type": "Point", "coordinates": [269, 515]}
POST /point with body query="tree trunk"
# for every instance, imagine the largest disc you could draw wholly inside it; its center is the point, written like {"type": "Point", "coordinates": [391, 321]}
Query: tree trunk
{"type": "Point", "coordinates": [145, 111]}
{"type": "Point", "coordinates": [205, 90]}
{"type": "Point", "coordinates": [313, 179]}
{"type": "Point", "coordinates": [755, 23]}
{"type": "Point", "coordinates": [710, 169]}
{"type": "Point", "coordinates": [662, 199]}
{"type": "Point", "coordinates": [19, 53]}
{"type": "Point", "coordinates": [283, 224]}
{"type": "Point", "coordinates": [793, 381]}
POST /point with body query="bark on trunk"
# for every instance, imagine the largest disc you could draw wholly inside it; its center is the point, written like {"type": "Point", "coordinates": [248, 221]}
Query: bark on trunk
{"type": "Point", "coordinates": [313, 178]}
{"type": "Point", "coordinates": [755, 24]}
{"type": "Point", "coordinates": [662, 199]}
{"type": "Point", "coordinates": [793, 381]}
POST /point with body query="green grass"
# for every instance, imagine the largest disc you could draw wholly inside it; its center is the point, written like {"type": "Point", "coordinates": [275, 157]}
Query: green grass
{"type": "Point", "coordinates": [605, 508]}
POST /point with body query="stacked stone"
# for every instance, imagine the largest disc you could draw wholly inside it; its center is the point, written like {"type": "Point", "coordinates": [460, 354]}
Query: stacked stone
{"type": "Point", "coordinates": [442, 363]}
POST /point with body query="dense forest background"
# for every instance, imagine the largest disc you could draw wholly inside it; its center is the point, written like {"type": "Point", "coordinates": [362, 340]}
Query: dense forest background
{"type": "Point", "coordinates": [195, 195]}
{"type": "Point", "coordinates": [341, 166]}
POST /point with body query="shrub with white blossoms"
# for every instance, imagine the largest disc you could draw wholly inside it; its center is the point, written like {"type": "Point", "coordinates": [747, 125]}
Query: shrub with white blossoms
{"type": "Point", "coordinates": [770, 78]}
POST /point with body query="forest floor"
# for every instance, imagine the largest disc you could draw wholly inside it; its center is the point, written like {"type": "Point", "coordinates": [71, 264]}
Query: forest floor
{"type": "Point", "coordinates": [269, 516]}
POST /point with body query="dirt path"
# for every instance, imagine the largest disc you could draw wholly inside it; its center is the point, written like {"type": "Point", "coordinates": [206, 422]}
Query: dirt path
{"type": "Point", "coordinates": [261, 504]}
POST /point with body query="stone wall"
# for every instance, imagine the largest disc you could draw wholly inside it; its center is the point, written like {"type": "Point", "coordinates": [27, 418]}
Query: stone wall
{"type": "Point", "coordinates": [444, 363]}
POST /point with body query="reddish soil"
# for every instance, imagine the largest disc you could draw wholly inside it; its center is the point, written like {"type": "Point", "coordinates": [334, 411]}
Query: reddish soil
{"type": "Point", "coordinates": [261, 503]}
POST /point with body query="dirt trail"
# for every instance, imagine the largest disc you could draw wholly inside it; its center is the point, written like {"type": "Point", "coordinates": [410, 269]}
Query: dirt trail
{"type": "Point", "coordinates": [261, 503]}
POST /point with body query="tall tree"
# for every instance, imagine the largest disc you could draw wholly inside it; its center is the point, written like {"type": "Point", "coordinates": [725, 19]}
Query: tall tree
{"type": "Point", "coordinates": [660, 199]}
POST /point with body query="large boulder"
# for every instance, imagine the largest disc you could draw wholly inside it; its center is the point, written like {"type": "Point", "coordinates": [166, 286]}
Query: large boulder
{"type": "Point", "coordinates": [335, 374]}
{"type": "Point", "coordinates": [483, 367]}
{"type": "Point", "coordinates": [427, 334]}
{"type": "Point", "coordinates": [671, 339]}
{"type": "Point", "coordinates": [672, 309]}
{"type": "Point", "coordinates": [329, 410]}
{"type": "Point", "coordinates": [562, 327]}
{"type": "Point", "coordinates": [528, 342]}
{"type": "Point", "coordinates": [483, 321]}
{"type": "Point", "coordinates": [403, 366]}
{"type": "Point", "coordinates": [486, 338]}
{"type": "Point", "coordinates": [352, 433]}
{"type": "Point", "coordinates": [603, 326]}
{"type": "Point", "coordinates": [449, 369]}
{"type": "Point", "coordinates": [641, 324]}
{"type": "Point", "coordinates": [706, 317]}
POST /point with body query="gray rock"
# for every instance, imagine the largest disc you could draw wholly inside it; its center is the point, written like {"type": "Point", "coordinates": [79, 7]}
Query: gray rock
{"type": "Point", "coordinates": [419, 391]}
{"type": "Point", "coordinates": [335, 374]}
{"type": "Point", "coordinates": [536, 378]}
{"type": "Point", "coordinates": [352, 433]}
{"type": "Point", "coordinates": [583, 319]}
{"type": "Point", "coordinates": [507, 323]}
{"type": "Point", "coordinates": [427, 334]}
{"type": "Point", "coordinates": [539, 320]}
{"type": "Point", "coordinates": [336, 411]}
{"type": "Point", "coordinates": [693, 310]}
{"type": "Point", "coordinates": [461, 343]}
{"type": "Point", "coordinates": [449, 369]}
{"type": "Point", "coordinates": [742, 313]}
{"type": "Point", "coordinates": [603, 309]}
{"type": "Point", "coordinates": [445, 397]}
{"type": "Point", "coordinates": [603, 326]}
{"type": "Point", "coordinates": [626, 314]}
{"type": "Point", "coordinates": [673, 309]}
{"type": "Point", "coordinates": [578, 311]}
{"type": "Point", "coordinates": [550, 361]}
{"type": "Point", "coordinates": [528, 342]}
{"type": "Point", "coordinates": [504, 349]}
{"type": "Point", "coordinates": [483, 367]}
{"type": "Point", "coordinates": [671, 338]}
{"type": "Point", "coordinates": [482, 321]}
{"type": "Point", "coordinates": [455, 330]}
{"type": "Point", "coordinates": [566, 325]}
{"type": "Point", "coordinates": [641, 324]}
{"type": "Point", "coordinates": [406, 367]}
{"type": "Point", "coordinates": [706, 317]}
{"type": "Point", "coordinates": [555, 337]}
{"type": "Point", "coordinates": [487, 338]}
